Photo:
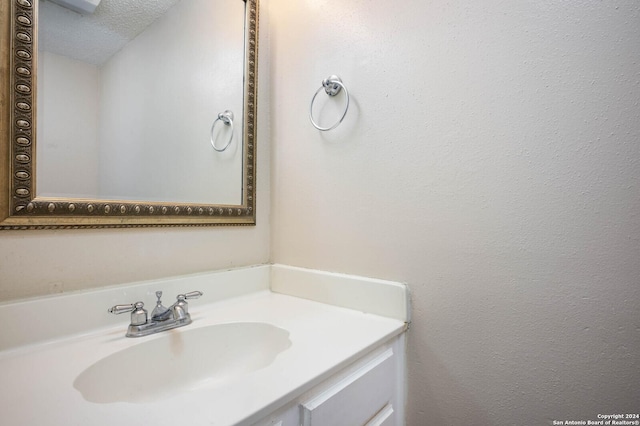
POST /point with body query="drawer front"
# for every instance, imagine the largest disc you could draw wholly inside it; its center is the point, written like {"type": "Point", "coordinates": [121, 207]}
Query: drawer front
{"type": "Point", "coordinates": [385, 417]}
{"type": "Point", "coordinates": [286, 416]}
{"type": "Point", "coordinates": [357, 398]}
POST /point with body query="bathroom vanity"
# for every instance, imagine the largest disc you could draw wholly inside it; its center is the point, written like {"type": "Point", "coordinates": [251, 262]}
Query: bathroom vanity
{"type": "Point", "coordinates": [268, 345]}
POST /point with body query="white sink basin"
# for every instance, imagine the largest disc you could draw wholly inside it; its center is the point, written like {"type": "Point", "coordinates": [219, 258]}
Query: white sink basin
{"type": "Point", "coordinates": [182, 360]}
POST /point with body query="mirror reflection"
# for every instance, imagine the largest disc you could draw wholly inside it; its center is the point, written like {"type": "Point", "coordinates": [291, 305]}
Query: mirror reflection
{"type": "Point", "coordinates": [128, 94]}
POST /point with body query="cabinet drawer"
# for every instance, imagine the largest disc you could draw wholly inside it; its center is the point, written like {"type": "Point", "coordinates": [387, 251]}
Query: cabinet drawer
{"type": "Point", "coordinates": [357, 398]}
{"type": "Point", "coordinates": [385, 417]}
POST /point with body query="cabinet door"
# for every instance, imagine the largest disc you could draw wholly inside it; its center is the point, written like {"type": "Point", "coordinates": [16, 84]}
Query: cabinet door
{"type": "Point", "coordinates": [357, 397]}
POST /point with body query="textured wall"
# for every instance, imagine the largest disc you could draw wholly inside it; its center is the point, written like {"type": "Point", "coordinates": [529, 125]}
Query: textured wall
{"type": "Point", "coordinates": [133, 132]}
{"type": "Point", "coordinates": [68, 91]}
{"type": "Point", "coordinates": [95, 37]}
{"type": "Point", "coordinates": [490, 159]}
{"type": "Point", "coordinates": [159, 97]}
{"type": "Point", "coordinates": [43, 262]}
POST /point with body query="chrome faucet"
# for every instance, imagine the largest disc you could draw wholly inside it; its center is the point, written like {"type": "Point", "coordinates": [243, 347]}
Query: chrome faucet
{"type": "Point", "coordinates": [162, 318]}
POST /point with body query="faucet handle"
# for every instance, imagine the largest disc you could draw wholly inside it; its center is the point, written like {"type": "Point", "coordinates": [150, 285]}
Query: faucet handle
{"type": "Point", "coordinates": [121, 309]}
{"type": "Point", "coordinates": [192, 295]}
{"type": "Point", "coordinates": [181, 307]}
{"type": "Point", "coordinates": [138, 313]}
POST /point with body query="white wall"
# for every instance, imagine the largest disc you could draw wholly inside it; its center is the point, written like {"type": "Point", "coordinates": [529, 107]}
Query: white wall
{"type": "Point", "coordinates": [71, 126]}
{"type": "Point", "coordinates": [43, 262]}
{"type": "Point", "coordinates": [490, 159]}
{"type": "Point", "coordinates": [159, 97]}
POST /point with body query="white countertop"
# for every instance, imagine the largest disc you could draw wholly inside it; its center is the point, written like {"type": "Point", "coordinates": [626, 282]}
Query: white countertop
{"type": "Point", "coordinates": [38, 379]}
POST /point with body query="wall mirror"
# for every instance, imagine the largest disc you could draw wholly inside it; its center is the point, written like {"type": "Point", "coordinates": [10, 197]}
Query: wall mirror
{"type": "Point", "coordinates": [122, 113]}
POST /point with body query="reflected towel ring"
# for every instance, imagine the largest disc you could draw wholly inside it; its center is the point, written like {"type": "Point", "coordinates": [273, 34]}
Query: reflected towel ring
{"type": "Point", "coordinates": [226, 118]}
{"type": "Point", "coordinates": [332, 87]}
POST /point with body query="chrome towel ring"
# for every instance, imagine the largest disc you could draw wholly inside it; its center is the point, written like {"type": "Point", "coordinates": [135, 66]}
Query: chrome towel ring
{"type": "Point", "coordinates": [226, 118]}
{"type": "Point", "coordinates": [332, 86]}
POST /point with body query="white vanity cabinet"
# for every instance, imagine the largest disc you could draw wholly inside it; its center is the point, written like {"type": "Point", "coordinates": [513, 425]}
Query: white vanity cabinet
{"type": "Point", "coordinates": [284, 346]}
{"type": "Point", "coordinates": [368, 392]}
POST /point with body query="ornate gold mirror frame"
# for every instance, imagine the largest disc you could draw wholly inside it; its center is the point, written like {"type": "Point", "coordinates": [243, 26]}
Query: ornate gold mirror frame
{"type": "Point", "coordinates": [20, 208]}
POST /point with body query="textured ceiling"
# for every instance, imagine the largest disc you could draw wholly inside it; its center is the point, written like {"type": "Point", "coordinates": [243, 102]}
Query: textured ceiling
{"type": "Point", "coordinates": [95, 38]}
